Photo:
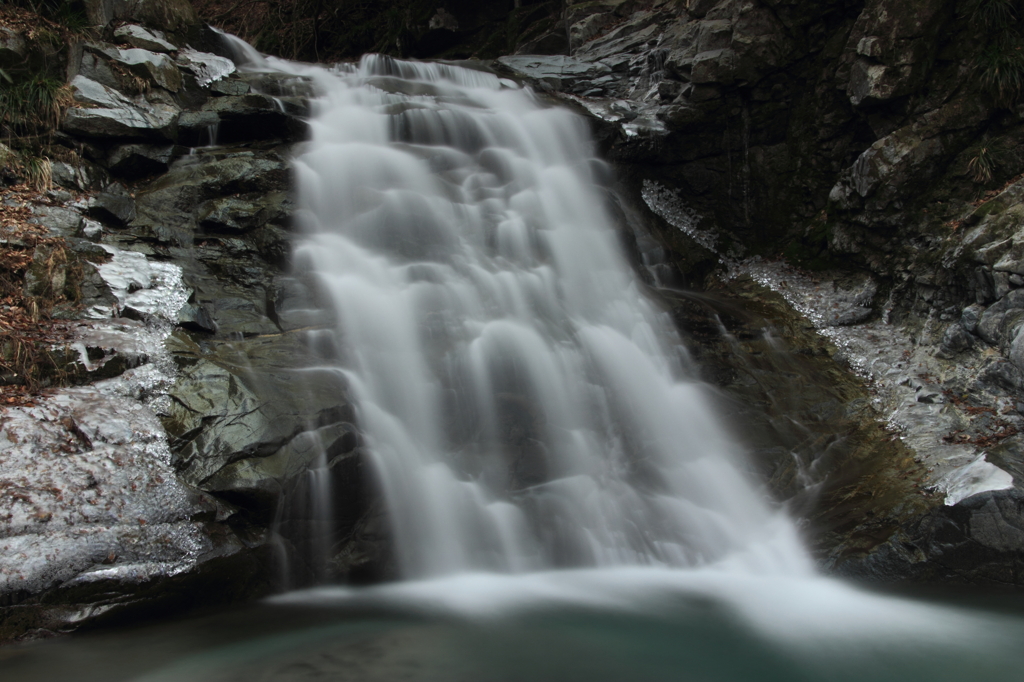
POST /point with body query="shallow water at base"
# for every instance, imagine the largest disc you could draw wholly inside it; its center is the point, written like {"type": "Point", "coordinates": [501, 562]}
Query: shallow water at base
{"type": "Point", "coordinates": [594, 625]}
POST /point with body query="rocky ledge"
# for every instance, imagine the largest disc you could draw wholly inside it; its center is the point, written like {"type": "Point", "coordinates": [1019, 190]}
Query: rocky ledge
{"type": "Point", "coordinates": [178, 472]}
{"type": "Point", "coordinates": [853, 164]}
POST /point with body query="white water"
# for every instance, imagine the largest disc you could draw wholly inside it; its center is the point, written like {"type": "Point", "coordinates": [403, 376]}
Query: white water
{"type": "Point", "coordinates": [526, 407]}
{"type": "Point", "coordinates": [528, 304]}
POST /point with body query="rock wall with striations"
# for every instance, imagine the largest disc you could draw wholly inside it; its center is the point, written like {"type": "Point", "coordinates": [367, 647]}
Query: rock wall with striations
{"type": "Point", "coordinates": [862, 160]}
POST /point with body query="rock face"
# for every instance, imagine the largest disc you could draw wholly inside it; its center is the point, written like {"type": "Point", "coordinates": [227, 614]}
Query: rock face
{"type": "Point", "coordinates": [859, 140]}
{"type": "Point", "coordinates": [184, 477]}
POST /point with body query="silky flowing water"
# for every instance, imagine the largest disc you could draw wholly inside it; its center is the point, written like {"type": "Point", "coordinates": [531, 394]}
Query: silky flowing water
{"type": "Point", "coordinates": [564, 502]}
{"type": "Point", "coordinates": [525, 406]}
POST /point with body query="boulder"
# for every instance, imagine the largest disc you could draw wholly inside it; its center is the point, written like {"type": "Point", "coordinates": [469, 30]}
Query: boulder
{"type": "Point", "coordinates": [110, 207]}
{"type": "Point", "coordinates": [137, 36]}
{"type": "Point", "coordinates": [196, 318]}
{"type": "Point", "coordinates": [256, 117]}
{"type": "Point", "coordinates": [167, 208]}
{"type": "Point", "coordinates": [239, 214]}
{"type": "Point", "coordinates": [262, 480]}
{"type": "Point", "coordinates": [83, 176]}
{"type": "Point", "coordinates": [156, 67]}
{"type": "Point", "coordinates": [906, 159]}
{"type": "Point", "coordinates": [105, 112]}
{"type": "Point", "coordinates": [205, 66]}
{"type": "Point", "coordinates": [13, 47]}
{"type": "Point", "coordinates": [139, 160]}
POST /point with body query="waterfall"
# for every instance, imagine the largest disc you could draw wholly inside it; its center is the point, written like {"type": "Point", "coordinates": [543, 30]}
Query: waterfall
{"type": "Point", "coordinates": [524, 404]}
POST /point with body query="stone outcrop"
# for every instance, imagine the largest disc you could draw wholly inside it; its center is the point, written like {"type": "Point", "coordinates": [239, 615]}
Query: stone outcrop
{"type": "Point", "coordinates": [857, 139]}
{"type": "Point", "coordinates": [180, 476]}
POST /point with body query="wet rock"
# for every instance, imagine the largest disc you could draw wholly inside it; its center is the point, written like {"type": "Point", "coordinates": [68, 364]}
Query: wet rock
{"type": "Point", "coordinates": [167, 208]}
{"type": "Point", "coordinates": [555, 72]}
{"type": "Point", "coordinates": [246, 400]}
{"type": "Point", "coordinates": [205, 66]}
{"type": "Point", "coordinates": [260, 481]}
{"type": "Point", "coordinates": [196, 318]}
{"type": "Point", "coordinates": [254, 117]}
{"type": "Point", "coordinates": [94, 291]}
{"type": "Point", "coordinates": [198, 128]}
{"type": "Point", "coordinates": [243, 213]}
{"type": "Point", "coordinates": [235, 312]}
{"type": "Point", "coordinates": [979, 541]}
{"type": "Point", "coordinates": [277, 84]}
{"type": "Point", "coordinates": [230, 86]}
{"type": "Point", "coordinates": [103, 510]}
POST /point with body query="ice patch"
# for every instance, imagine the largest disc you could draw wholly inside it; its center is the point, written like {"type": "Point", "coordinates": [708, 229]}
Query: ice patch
{"type": "Point", "coordinates": [206, 66]}
{"type": "Point", "coordinates": [149, 287]}
{"type": "Point", "coordinates": [977, 477]}
{"type": "Point", "coordinates": [88, 482]}
{"type": "Point", "coordinates": [676, 213]}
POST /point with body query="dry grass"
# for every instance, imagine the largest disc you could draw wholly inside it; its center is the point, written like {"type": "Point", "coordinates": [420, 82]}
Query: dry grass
{"type": "Point", "coordinates": [315, 30]}
{"type": "Point", "coordinates": [27, 334]}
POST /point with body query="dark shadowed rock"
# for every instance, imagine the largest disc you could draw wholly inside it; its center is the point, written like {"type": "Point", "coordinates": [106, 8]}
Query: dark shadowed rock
{"type": "Point", "coordinates": [109, 207]}
{"type": "Point", "coordinates": [139, 160]}
{"type": "Point", "coordinates": [979, 541]}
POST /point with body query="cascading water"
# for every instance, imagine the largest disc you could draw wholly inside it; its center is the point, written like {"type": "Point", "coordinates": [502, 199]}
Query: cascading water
{"type": "Point", "coordinates": [525, 405]}
{"type": "Point", "coordinates": [527, 409]}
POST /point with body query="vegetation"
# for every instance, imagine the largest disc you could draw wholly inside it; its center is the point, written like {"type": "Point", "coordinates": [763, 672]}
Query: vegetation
{"type": "Point", "coordinates": [1000, 65]}
{"type": "Point", "coordinates": [316, 30]}
{"type": "Point", "coordinates": [39, 275]}
{"type": "Point", "coordinates": [982, 166]}
{"type": "Point", "coordinates": [33, 105]}
{"type": "Point", "coordinates": [33, 94]}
